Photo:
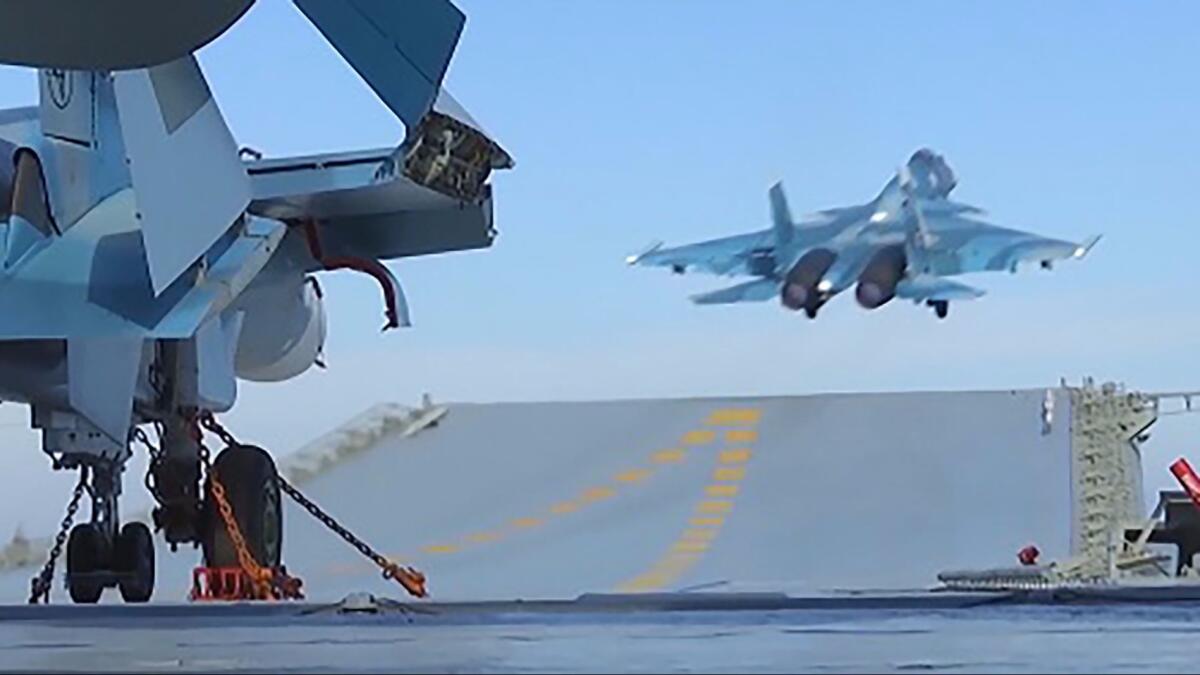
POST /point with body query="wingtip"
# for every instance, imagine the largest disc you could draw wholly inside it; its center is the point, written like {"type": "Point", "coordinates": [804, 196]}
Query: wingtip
{"type": "Point", "coordinates": [1087, 245]}
{"type": "Point", "coordinates": [635, 258]}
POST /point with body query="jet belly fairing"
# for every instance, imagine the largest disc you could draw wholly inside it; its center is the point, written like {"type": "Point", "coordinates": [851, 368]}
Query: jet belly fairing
{"type": "Point", "coordinates": [904, 243]}
{"type": "Point", "coordinates": [146, 265]}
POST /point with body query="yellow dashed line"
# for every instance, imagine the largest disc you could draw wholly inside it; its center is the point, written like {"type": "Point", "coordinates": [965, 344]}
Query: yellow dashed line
{"type": "Point", "coordinates": [715, 507]}
{"type": "Point", "coordinates": [597, 493]}
{"type": "Point", "coordinates": [441, 549]}
{"type": "Point", "coordinates": [721, 490]}
{"type": "Point", "coordinates": [483, 537]}
{"type": "Point", "coordinates": [525, 523]}
{"type": "Point", "coordinates": [741, 436]}
{"type": "Point", "coordinates": [699, 535]}
{"type": "Point", "coordinates": [564, 507]}
{"type": "Point", "coordinates": [739, 456]}
{"type": "Point", "coordinates": [710, 521]}
{"type": "Point", "coordinates": [699, 437]}
{"type": "Point", "coordinates": [632, 476]}
{"type": "Point", "coordinates": [677, 561]}
{"type": "Point", "coordinates": [668, 456]}
{"type": "Point", "coordinates": [728, 416]}
{"type": "Point", "coordinates": [732, 473]}
{"type": "Point", "coordinates": [691, 546]}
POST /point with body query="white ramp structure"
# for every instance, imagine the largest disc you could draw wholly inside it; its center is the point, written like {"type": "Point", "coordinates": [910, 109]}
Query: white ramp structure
{"type": "Point", "coordinates": [795, 494]}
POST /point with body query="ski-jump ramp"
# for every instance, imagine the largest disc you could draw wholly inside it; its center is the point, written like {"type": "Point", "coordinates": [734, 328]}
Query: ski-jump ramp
{"type": "Point", "coordinates": [796, 494]}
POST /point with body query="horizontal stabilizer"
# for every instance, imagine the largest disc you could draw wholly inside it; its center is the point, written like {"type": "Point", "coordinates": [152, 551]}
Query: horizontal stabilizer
{"type": "Point", "coordinates": [758, 290]}
{"type": "Point", "coordinates": [926, 287]}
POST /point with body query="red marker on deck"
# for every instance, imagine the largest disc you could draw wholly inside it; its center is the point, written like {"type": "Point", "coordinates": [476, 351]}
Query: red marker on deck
{"type": "Point", "coordinates": [1187, 478]}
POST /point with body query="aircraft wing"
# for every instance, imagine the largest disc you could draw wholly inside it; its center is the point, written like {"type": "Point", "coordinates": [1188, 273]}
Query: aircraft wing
{"type": "Point", "coordinates": [927, 287]}
{"type": "Point", "coordinates": [723, 256]}
{"type": "Point", "coordinates": [964, 245]}
{"type": "Point", "coordinates": [758, 290]}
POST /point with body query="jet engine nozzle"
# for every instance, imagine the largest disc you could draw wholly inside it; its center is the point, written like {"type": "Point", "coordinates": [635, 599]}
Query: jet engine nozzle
{"type": "Point", "coordinates": [877, 284]}
{"type": "Point", "coordinates": [800, 286]}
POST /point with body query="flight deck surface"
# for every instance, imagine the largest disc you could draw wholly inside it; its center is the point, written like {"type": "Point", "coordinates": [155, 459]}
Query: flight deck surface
{"type": "Point", "coordinates": [1132, 631]}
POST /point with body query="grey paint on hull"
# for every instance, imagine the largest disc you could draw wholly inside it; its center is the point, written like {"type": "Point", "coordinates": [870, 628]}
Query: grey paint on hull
{"type": "Point", "coordinates": [551, 500]}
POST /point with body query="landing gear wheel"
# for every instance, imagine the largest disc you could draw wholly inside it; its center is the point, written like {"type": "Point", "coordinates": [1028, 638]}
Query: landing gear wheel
{"type": "Point", "coordinates": [134, 562]}
{"type": "Point", "coordinates": [811, 311]}
{"type": "Point", "coordinates": [941, 308]}
{"type": "Point", "coordinates": [87, 558]}
{"type": "Point", "coordinates": [252, 489]}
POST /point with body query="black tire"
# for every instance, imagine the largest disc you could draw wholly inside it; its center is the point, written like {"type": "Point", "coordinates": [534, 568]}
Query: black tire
{"type": "Point", "coordinates": [134, 560]}
{"type": "Point", "coordinates": [87, 554]}
{"type": "Point", "coordinates": [252, 489]}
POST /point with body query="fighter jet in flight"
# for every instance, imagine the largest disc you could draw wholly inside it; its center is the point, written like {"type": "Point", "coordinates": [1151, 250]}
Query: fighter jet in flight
{"type": "Point", "coordinates": [148, 262]}
{"type": "Point", "coordinates": [905, 243]}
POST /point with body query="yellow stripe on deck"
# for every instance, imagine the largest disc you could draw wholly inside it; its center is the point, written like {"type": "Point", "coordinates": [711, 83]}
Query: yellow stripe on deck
{"type": "Point", "coordinates": [721, 490]}
{"type": "Point", "coordinates": [441, 549]}
{"type": "Point", "coordinates": [597, 493]}
{"type": "Point", "coordinates": [739, 456]}
{"type": "Point", "coordinates": [701, 437]}
{"type": "Point", "coordinates": [668, 456]}
{"type": "Point", "coordinates": [728, 416]}
{"type": "Point", "coordinates": [632, 476]}
{"type": "Point", "coordinates": [711, 521]}
{"type": "Point", "coordinates": [564, 507]}
{"type": "Point", "coordinates": [730, 473]}
{"type": "Point", "coordinates": [715, 506]}
{"type": "Point", "coordinates": [526, 523]}
{"type": "Point", "coordinates": [741, 436]}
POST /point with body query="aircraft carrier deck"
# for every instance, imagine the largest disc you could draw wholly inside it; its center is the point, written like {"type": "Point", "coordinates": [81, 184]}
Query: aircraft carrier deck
{"type": "Point", "coordinates": [689, 527]}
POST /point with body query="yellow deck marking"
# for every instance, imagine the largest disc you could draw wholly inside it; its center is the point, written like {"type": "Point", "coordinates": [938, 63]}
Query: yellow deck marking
{"type": "Point", "coordinates": [741, 436]}
{"type": "Point", "coordinates": [597, 493]}
{"type": "Point", "coordinates": [527, 522]}
{"type": "Point", "coordinates": [710, 521]}
{"type": "Point", "coordinates": [739, 456]}
{"type": "Point", "coordinates": [715, 506]}
{"type": "Point", "coordinates": [727, 416]}
{"type": "Point", "coordinates": [441, 549]}
{"type": "Point", "coordinates": [483, 537]}
{"type": "Point", "coordinates": [632, 476]}
{"type": "Point", "coordinates": [731, 473]}
{"type": "Point", "coordinates": [691, 546]}
{"type": "Point", "coordinates": [667, 456]}
{"type": "Point", "coordinates": [699, 535]}
{"type": "Point", "coordinates": [699, 437]}
{"type": "Point", "coordinates": [721, 490]}
{"type": "Point", "coordinates": [564, 507]}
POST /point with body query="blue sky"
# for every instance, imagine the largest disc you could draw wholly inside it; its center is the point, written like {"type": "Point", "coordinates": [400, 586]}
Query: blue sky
{"type": "Point", "coordinates": [635, 121]}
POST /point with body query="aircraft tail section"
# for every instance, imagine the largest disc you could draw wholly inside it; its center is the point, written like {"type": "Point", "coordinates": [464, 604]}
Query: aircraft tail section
{"type": "Point", "coordinates": [931, 176]}
{"type": "Point", "coordinates": [781, 215]}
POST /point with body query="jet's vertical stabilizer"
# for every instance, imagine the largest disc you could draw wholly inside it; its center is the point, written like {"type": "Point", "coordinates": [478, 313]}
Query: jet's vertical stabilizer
{"type": "Point", "coordinates": [781, 215]}
{"type": "Point", "coordinates": [401, 49]}
{"type": "Point", "coordinates": [190, 184]}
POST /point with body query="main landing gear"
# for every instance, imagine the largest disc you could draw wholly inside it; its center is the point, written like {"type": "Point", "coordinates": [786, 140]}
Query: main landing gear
{"type": "Point", "coordinates": [940, 307]}
{"type": "Point", "coordinates": [102, 553]}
